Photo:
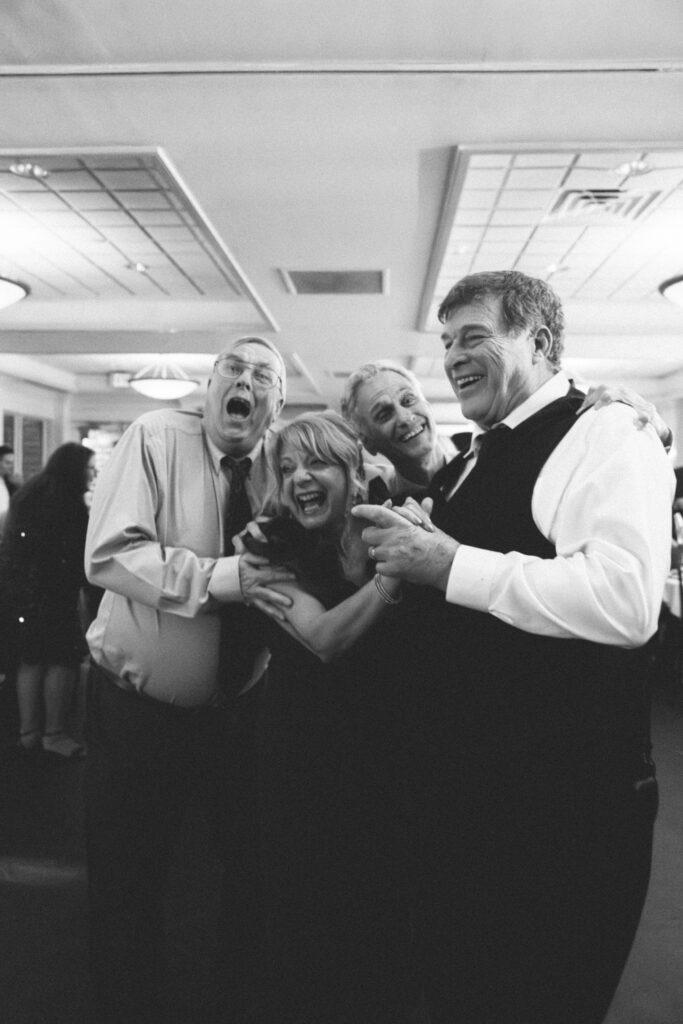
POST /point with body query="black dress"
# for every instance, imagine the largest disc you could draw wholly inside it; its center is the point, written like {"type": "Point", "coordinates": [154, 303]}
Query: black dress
{"type": "Point", "coordinates": [334, 827]}
{"type": "Point", "coordinates": [41, 574]}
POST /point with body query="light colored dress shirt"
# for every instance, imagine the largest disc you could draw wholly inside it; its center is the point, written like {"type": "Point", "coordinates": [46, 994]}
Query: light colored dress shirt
{"type": "Point", "coordinates": [603, 499]}
{"type": "Point", "coordinates": [154, 543]}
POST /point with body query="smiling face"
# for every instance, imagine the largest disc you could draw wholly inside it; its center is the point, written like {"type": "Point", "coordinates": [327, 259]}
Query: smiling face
{"type": "Point", "coordinates": [492, 371]}
{"type": "Point", "coordinates": [395, 418]}
{"type": "Point", "coordinates": [314, 490]}
{"type": "Point", "coordinates": [239, 410]}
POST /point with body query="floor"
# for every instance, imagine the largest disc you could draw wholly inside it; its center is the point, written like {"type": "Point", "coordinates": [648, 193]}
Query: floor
{"type": "Point", "coordinates": [42, 894]}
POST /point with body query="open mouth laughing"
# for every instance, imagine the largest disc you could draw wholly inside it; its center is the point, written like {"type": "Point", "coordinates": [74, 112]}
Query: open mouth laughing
{"type": "Point", "coordinates": [239, 407]}
{"type": "Point", "coordinates": [310, 501]}
{"type": "Point", "coordinates": [415, 432]}
{"type": "Point", "coordinates": [464, 384]}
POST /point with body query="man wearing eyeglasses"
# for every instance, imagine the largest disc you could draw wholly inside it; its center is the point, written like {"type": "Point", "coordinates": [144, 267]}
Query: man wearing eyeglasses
{"type": "Point", "coordinates": [172, 693]}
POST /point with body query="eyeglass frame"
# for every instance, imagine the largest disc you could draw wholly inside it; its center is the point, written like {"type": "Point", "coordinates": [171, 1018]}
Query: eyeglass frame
{"type": "Point", "coordinates": [253, 366]}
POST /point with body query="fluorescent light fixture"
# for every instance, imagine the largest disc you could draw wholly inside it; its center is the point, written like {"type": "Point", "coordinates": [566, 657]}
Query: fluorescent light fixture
{"type": "Point", "coordinates": [11, 292]}
{"type": "Point", "coordinates": [163, 381]}
{"type": "Point", "coordinates": [633, 167]}
{"type": "Point", "coordinates": [24, 169]}
{"type": "Point", "coordinates": [673, 290]}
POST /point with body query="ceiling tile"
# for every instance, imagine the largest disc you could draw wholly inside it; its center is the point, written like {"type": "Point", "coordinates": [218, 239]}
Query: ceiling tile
{"type": "Point", "coordinates": [94, 214]}
{"type": "Point", "coordinates": [614, 249]}
{"type": "Point", "coordinates": [534, 177]}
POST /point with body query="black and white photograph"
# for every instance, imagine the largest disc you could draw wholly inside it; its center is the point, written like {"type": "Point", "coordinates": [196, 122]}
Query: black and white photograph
{"type": "Point", "coordinates": [341, 512]}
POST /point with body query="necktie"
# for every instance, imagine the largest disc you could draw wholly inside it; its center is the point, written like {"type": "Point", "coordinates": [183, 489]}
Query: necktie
{"type": "Point", "coordinates": [484, 445]}
{"type": "Point", "coordinates": [237, 510]}
{"type": "Point", "coordinates": [241, 627]}
{"type": "Point", "coordinates": [491, 441]}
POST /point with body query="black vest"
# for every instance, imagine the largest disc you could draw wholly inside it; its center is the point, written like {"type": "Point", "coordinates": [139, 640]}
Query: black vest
{"type": "Point", "coordinates": [496, 692]}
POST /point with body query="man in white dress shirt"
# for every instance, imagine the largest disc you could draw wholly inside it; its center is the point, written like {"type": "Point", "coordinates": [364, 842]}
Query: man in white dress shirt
{"type": "Point", "coordinates": [536, 593]}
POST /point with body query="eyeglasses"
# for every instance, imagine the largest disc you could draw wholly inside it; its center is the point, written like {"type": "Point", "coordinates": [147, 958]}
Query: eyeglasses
{"type": "Point", "coordinates": [232, 368]}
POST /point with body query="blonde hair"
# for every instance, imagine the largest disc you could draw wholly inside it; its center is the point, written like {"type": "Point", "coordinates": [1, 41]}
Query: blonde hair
{"type": "Point", "coordinates": [327, 436]}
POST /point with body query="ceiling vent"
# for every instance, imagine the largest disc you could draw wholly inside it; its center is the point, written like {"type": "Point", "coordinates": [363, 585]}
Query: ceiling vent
{"type": "Point", "coordinates": [591, 205]}
{"type": "Point", "coordinates": [335, 282]}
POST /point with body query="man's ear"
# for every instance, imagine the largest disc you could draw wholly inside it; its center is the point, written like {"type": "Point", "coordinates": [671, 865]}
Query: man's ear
{"type": "Point", "coordinates": [543, 342]}
{"type": "Point", "coordinates": [367, 445]}
{"type": "Point", "coordinates": [278, 409]}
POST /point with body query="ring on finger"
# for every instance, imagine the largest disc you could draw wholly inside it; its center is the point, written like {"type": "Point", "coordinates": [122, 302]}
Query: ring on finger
{"type": "Point", "coordinates": [371, 552]}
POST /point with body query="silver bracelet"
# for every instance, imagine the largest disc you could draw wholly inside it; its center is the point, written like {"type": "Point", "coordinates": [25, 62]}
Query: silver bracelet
{"type": "Point", "coordinates": [384, 593]}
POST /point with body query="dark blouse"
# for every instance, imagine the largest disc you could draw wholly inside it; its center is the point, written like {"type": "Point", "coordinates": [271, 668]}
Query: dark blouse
{"type": "Point", "coordinates": [41, 574]}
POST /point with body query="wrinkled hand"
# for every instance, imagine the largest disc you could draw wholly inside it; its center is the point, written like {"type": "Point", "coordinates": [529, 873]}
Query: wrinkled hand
{"type": "Point", "coordinates": [645, 412]}
{"type": "Point", "coordinates": [256, 576]}
{"type": "Point", "coordinates": [404, 550]}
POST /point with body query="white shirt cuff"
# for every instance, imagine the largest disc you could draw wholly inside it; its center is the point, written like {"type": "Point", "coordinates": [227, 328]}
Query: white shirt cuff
{"type": "Point", "coordinates": [224, 584]}
{"type": "Point", "coordinates": [471, 576]}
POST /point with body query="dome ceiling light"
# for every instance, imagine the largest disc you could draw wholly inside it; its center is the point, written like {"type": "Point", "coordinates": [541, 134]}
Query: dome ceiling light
{"type": "Point", "coordinates": [163, 381]}
{"type": "Point", "coordinates": [673, 289]}
{"type": "Point", "coordinates": [11, 292]}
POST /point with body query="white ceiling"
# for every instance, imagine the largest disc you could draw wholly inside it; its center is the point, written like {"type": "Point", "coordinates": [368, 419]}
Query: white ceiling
{"type": "Point", "coordinates": [317, 138]}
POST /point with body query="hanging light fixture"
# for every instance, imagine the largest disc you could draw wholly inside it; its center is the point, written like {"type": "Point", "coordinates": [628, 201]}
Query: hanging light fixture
{"type": "Point", "coordinates": [164, 381]}
{"type": "Point", "coordinates": [673, 290]}
{"type": "Point", "coordinates": [11, 292]}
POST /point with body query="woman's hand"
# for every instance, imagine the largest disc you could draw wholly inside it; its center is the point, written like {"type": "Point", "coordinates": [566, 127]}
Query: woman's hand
{"type": "Point", "coordinates": [417, 514]}
{"type": "Point", "coordinates": [257, 574]}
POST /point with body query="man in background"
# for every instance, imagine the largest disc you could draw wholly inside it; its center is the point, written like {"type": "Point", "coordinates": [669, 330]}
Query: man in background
{"type": "Point", "coordinates": [8, 484]}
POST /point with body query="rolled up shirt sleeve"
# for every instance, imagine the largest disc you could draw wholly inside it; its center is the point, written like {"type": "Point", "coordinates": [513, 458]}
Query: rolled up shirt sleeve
{"type": "Point", "coordinates": [604, 500]}
{"type": "Point", "coordinates": [140, 517]}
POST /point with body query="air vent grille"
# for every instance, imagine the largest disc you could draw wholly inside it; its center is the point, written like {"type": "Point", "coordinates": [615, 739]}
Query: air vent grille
{"type": "Point", "coordinates": [599, 204]}
{"type": "Point", "coordinates": [335, 282]}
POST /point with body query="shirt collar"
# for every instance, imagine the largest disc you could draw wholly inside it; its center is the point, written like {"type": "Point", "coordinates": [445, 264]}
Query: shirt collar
{"type": "Point", "coordinates": [216, 454]}
{"type": "Point", "coordinates": [556, 387]}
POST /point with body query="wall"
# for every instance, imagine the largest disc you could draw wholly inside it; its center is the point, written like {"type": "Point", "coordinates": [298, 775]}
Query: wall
{"type": "Point", "coordinates": [27, 399]}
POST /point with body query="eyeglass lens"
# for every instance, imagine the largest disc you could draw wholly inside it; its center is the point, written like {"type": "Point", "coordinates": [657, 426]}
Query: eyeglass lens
{"type": "Point", "coordinates": [234, 367]}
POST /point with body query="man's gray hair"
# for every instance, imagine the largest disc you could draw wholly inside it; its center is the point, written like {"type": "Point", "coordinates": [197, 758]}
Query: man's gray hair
{"type": "Point", "coordinates": [255, 339]}
{"type": "Point", "coordinates": [365, 373]}
{"type": "Point", "coordinates": [526, 303]}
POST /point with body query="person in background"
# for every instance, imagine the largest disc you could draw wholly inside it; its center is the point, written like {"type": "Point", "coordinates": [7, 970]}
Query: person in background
{"type": "Point", "coordinates": [8, 483]}
{"type": "Point", "coordinates": [41, 576]}
{"type": "Point", "coordinates": [386, 405]}
{"type": "Point", "coordinates": [170, 711]}
{"type": "Point", "coordinates": [535, 595]}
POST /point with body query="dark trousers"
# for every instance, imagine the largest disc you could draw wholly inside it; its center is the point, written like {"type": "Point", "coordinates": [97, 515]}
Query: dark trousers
{"type": "Point", "coordinates": [340, 923]}
{"type": "Point", "coordinates": [530, 916]}
{"type": "Point", "coordinates": [146, 761]}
